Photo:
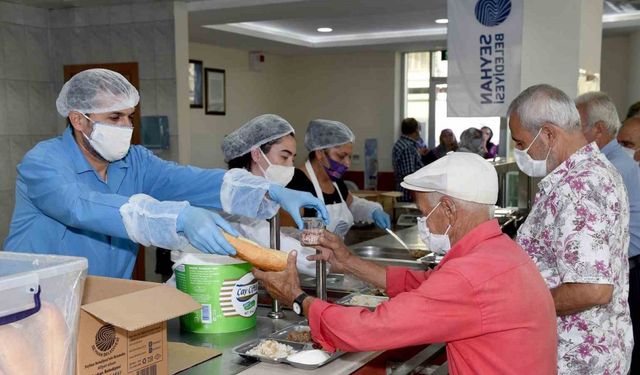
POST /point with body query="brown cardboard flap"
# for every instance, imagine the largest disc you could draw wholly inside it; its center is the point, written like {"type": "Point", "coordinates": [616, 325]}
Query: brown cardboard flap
{"type": "Point", "coordinates": [142, 308]}
{"type": "Point", "coordinates": [97, 288]}
{"type": "Point", "coordinates": [183, 356]}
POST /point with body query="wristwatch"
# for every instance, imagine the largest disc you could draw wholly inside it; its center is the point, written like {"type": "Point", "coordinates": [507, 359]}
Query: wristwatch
{"type": "Point", "coordinates": [297, 303]}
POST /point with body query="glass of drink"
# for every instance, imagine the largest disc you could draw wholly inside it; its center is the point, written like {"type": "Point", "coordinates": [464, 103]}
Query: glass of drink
{"type": "Point", "coordinates": [312, 230]}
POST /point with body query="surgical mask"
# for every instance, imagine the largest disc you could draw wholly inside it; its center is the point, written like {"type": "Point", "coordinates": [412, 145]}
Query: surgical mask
{"type": "Point", "coordinates": [112, 142]}
{"type": "Point", "coordinates": [629, 151]}
{"type": "Point", "coordinates": [335, 170]}
{"type": "Point", "coordinates": [527, 164]}
{"type": "Point", "coordinates": [438, 243]}
{"type": "Point", "coordinates": [279, 174]}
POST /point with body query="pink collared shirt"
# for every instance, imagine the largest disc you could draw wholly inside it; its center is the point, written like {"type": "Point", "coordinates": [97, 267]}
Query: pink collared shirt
{"type": "Point", "coordinates": [486, 300]}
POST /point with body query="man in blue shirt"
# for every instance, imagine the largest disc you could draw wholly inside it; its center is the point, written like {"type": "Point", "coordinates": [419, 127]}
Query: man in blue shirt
{"type": "Point", "coordinates": [406, 155]}
{"type": "Point", "coordinates": [89, 193]}
{"type": "Point", "coordinates": [600, 124]}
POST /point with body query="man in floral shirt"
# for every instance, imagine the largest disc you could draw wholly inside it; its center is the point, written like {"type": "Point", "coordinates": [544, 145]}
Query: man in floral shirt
{"type": "Point", "coordinates": [576, 232]}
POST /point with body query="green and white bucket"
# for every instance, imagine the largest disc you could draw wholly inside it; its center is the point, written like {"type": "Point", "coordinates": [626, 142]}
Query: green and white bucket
{"type": "Point", "coordinates": [224, 286]}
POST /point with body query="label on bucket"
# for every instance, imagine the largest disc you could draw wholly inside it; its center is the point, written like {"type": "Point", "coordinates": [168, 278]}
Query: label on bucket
{"type": "Point", "coordinates": [228, 295]}
{"type": "Point", "coordinates": [239, 297]}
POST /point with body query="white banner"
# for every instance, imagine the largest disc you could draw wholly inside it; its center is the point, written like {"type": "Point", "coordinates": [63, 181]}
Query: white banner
{"type": "Point", "coordinates": [484, 40]}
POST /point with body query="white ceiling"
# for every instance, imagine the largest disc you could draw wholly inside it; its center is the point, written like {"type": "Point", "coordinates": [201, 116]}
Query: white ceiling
{"type": "Point", "coordinates": [289, 26]}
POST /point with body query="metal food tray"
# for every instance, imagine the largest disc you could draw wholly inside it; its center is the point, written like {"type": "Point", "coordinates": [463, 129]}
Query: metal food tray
{"type": "Point", "coordinates": [242, 350]}
{"type": "Point", "coordinates": [345, 301]}
{"type": "Point", "coordinates": [282, 334]}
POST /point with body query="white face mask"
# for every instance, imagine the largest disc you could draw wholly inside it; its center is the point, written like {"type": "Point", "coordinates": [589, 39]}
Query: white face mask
{"type": "Point", "coordinates": [528, 165]}
{"type": "Point", "coordinates": [279, 174]}
{"type": "Point", "coordinates": [437, 243]}
{"type": "Point", "coordinates": [112, 142]}
{"type": "Point", "coordinates": [629, 151]}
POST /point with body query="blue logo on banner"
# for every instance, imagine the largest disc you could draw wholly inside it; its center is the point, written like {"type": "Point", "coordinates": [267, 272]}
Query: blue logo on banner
{"type": "Point", "coordinates": [492, 12]}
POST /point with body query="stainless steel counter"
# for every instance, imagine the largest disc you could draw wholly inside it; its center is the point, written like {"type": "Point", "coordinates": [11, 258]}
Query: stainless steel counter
{"type": "Point", "coordinates": [229, 363]}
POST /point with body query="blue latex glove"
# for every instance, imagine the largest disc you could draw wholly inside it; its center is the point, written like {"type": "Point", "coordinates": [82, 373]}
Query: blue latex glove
{"type": "Point", "coordinates": [293, 200]}
{"type": "Point", "coordinates": [203, 230]}
{"type": "Point", "coordinates": [381, 219]}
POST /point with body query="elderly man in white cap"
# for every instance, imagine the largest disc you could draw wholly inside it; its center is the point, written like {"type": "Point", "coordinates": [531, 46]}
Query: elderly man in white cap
{"type": "Point", "coordinates": [486, 299]}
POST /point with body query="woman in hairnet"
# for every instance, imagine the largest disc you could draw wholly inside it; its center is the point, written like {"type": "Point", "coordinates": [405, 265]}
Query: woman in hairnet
{"type": "Point", "coordinates": [266, 147]}
{"type": "Point", "coordinates": [89, 193]}
{"type": "Point", "coordinates": [330, 145]}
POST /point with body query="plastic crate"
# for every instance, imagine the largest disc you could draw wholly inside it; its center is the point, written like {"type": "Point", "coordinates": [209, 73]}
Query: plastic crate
{"type": "Point", "coordinates": [40, 297]}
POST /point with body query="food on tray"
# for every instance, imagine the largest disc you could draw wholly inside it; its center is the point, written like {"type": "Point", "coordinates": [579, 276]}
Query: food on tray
{"type": "Point", "coordinates": [309, 357]}
{"type": "Point", "coordinates": [258, 256]}
{"type": "Point", "coordinates": [417, 253]}
{"type": "Point", "coordinates": [303, 336]}
{"type": "Point", "coordinates": [272, 349]}
{"type": "Point", "coordinates": [365, 300]}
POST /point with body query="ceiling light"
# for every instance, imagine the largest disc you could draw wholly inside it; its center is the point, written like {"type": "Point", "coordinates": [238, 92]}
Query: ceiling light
{"type": "Point", "coordinates": [442, 20]}
{"type": "Point", "coordinates": [324, 29]}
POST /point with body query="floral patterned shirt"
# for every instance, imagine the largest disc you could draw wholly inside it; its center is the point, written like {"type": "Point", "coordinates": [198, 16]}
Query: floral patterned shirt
{"type": "Point", "coordinates": [577, 232]}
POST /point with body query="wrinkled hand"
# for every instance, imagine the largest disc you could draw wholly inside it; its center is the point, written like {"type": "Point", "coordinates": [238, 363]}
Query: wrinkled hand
{"type": "Point", "coordinates": [333, 250]}
{"type": "Point", "coordinates": [381, 219]}
{"type": "Point", "coordinates": [203, 229]}
{"type": "Point", "coordinates": [293, 200]}
{"type": "Point", "coordinates": [283, 286]}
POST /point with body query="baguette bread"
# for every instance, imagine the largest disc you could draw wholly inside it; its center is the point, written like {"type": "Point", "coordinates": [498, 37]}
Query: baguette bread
{"type": "Point", "coordinates": [258, 256]}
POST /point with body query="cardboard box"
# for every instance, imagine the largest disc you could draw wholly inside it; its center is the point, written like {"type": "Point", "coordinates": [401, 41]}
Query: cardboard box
{"type": "Point", "coordinates": [123, 328]}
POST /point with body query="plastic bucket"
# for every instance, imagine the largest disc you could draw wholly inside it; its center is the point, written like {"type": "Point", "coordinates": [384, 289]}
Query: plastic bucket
{"type": "Point", "coordinates": [224, 286]}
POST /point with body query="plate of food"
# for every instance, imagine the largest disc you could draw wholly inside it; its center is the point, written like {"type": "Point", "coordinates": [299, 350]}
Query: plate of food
{"type": "Point", "coordinates": [296, 354]}
{"type": "Point", "coordinates": [362, 300]}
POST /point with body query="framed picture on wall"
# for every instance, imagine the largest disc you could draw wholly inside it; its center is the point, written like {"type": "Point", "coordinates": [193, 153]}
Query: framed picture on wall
{"type": "Point", "coordinates": [195, 83]}
{"type": "Point", "coordinates": [214, 91]}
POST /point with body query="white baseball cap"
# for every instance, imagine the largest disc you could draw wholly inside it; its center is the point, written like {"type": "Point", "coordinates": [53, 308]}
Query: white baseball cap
{"type": "Point", "coordinates": [461, 175]}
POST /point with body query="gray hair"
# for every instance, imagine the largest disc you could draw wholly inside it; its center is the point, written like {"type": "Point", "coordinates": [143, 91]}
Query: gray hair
{"type": "Point", "coordinates": [467, 139]}
{"type": "Point", "coordinates": [434, 198]}
{"type": "Point", "coordinates": [599, 107]}
{"type": "Point", "coordinates": [540, 104]}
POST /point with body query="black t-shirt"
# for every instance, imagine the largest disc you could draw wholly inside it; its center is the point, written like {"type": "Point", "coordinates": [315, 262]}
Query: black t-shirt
{"type": "Point", "coordinates": [301, 182]}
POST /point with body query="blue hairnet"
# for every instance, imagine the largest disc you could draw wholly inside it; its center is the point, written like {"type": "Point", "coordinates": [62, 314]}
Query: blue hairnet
{"type": "Point", "coordinates": [323, 134]}
{"type": "Point", "coordinates": [96, 91]}
{"type": "Point", "coordinates": [258, 131]}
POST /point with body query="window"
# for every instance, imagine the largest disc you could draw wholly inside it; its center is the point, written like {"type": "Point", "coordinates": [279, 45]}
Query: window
{"type": "Point", "coordinates": [425, 78]}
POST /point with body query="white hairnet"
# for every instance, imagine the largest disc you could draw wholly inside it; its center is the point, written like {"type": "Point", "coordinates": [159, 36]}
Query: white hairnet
{"type": "Point", "coordinates": [326, 134]}
{"type": "Point", "coordinates": [258, 131]}
{"type": "Point", "coordinates": [96, 91]}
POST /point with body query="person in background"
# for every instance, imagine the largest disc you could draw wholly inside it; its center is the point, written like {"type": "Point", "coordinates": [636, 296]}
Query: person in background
{"type": "Point", "coordinates": [266, 147]}
{"type": "Point", "coordinates": [629, 137]}
{"type": "Point", "coordinates": [633, 110]}
{"type": "Point", "coordinates": [330, 145]}
{"type": "Point", "coordinates": [490, 149]}
{"type": "Point", "coordinates": [89, 193]}
{"type": "Point", "coordinates": [600, 124]}
{"type": "Point", "coordinates": [448, 143]}
{"type": "Point", "coordinates": [471, 140]}
{"type": "Point", "coordinates": [576, 231]}
{"type": "Point", "coordinates": [485, 299]}
{"type": "Point", "coordinates": [407, 154]}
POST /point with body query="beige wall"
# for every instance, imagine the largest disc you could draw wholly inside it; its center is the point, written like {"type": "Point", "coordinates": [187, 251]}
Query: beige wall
{"type": "Point", "coordinates": [357, 89]}
{"type": "Point", "coordinates": [614, 71]}
{"type": "Point", "coordinates": [248, 94]}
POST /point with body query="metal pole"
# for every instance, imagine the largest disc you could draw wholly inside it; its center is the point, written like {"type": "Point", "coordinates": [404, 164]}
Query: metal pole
{"type": "Point", "coordinates": [274, 232]}
{"type": "Point", "coordinates": [321, 278]}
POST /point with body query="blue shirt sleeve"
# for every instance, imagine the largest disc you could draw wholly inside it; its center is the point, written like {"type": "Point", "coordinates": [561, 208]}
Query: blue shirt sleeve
{"type": "Point", "coordinates": [73, 204]}
{"type": "Point", "coordinates": [169, 181]}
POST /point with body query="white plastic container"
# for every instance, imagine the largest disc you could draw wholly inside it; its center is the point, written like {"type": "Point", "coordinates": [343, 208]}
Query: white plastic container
{"type": "Point", "coordinates": [40, 297]}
